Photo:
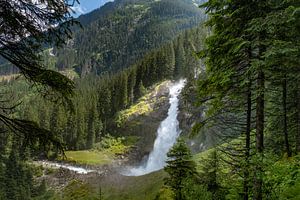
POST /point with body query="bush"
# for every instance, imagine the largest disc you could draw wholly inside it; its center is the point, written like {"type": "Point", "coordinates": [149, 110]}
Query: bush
{"type": "Point", "coordinates": [292, 192]}
{"type": "Point", "coordinates": [165, 193]}
{"type": "Point", "coordinates": [282, 178]}
{"type": "Point", "coordinates": [112, 144]}
{"type": "Point", "coordinates": [78, 190]}
{"type": "Point", "coordinates": [194, 191]}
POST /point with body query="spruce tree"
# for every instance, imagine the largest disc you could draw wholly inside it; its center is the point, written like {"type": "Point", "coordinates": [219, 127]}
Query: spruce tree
{"type": "Point", "coordinates": [18, 180]}
{"type": "Point", "coordinates": [91, 127]}
{"type": "Point", "coordinates": [180, 61]}
{"type": "Point", "coordinates": [180, 168]}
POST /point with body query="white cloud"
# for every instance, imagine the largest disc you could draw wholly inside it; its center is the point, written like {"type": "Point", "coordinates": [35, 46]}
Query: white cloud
{"type": "Point", "coordinates": [78, 9]}
{"type": "Point", "coordinates": [105, 1]}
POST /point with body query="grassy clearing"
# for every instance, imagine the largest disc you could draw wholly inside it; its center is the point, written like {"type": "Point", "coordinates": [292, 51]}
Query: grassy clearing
{"type": "Point", "coordinates": [104, 152]}
{"type": "Point", "coordinates": [89, 157]}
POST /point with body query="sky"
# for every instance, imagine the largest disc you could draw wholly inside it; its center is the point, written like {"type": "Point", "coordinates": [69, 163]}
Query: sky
{"type": "Point", "coordinates": [86, 6]}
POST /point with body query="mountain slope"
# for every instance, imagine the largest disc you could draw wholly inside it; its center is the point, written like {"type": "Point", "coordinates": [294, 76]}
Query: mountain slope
{"type": "Point", "coordinates": [121, 32]}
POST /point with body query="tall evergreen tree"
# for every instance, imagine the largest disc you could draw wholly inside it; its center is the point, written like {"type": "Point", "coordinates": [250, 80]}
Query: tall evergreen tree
{"type": "Point", "coordinates": [180, 167]}
{"type": "Point", "coordinates": [239, 67]}
{"type": "Point", "coordinates": [18, 180]}
{"type": "Point", "coordinates": [91, 127]}
{"type": "Point", "coordinates": [180, 61]}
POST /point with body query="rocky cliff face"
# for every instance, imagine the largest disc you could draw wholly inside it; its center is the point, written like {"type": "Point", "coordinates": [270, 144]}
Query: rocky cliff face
{"type": "Point", "coordinates": [191, 114]}
{"type": "Point", "coordinates": [143, 119]}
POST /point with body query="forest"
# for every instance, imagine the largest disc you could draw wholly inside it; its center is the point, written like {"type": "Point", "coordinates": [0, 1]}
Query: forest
{"type": "Point", "coordinates": [64, 93]}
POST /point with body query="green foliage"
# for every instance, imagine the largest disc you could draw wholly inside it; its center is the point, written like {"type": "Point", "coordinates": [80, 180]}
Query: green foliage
{"type": "Point", "coordinates": [196, 191]}
{"type": "Point", "coordinates": [180, 167]}
{"type": "Point", "coordinates": [17, 181]}
{"type": "Point", "coordinates": [97, 100]}
{"type": "Point", "coordinates": [37, 171]}
{"type": "Point", "coordinates": [211, 174]}
{"type": "Point", "coordinates": [282, 178]}
{"type": "Point", "coordinates": [292, 192]}
{"type": "Point", "coordinates": [108, 141]}
{"type": "Point", "coordinates": [114, 145]}
{"type": "Point", "coordinates": [250, 66]}
{"type": "Point", "coordinates": [184, 181]}
{"type": "Point", "coordinates": [78, 190]}
{"type": "Point", "coordinates": [42, 193]}
{"type": "Point", "coordinates": [165, 193]}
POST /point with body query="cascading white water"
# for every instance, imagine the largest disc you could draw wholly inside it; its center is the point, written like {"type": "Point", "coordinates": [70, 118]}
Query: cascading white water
{"type": "Point", "coordinates": [167, 134]}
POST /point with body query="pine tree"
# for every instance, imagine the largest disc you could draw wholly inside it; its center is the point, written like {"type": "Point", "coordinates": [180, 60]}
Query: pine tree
{"type": "Point", "coordinates": [18, 180]}
{"type": "Point", "coordinates": [180, 167]}
{"type": "Point", "coordinates": [210, 175]}
{"type": "Point", "coordinates": [54, 128]}
{"type": "Point", "coordinates": [2, 179]}
{"type": "Point", "coordinates": [91, 127]}
{"type": "Point", "coordinates": [43, 113]}
{"type": "Point", "coordinates": [70, 130]}
{"type": "Point", "coordinates": [246, 57]}
{"type": "Point", "coordinates": [235, 54]}
{"type": "Point", "coordinates": [281, 59]}
{"type": "Point", "coordinates": [142, 89]}
{"type": "Point", "coordinates": [80, 132]}
{"type": "Point", "coordinates": [131, 84]}
{"type": "Point", "coordinates": [180, 61]}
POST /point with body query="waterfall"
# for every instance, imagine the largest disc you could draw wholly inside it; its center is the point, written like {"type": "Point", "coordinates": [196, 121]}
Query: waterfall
{"type": "Point", "coordinates": [167, 134]}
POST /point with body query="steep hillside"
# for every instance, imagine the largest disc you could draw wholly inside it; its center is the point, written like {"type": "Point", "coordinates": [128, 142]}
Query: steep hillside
{"type": "Point", "coordinates": [121, 32]}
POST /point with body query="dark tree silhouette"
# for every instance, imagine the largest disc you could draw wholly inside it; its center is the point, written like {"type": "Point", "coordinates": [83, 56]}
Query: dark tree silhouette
{"type": "Point", "coordinates": [26, 27]}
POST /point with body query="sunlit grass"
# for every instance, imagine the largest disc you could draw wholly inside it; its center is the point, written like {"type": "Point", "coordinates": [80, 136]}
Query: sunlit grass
{"type": "Point", "coordinates": [89, 157]}
{"type": "Point", "coordinates": [144, 105]}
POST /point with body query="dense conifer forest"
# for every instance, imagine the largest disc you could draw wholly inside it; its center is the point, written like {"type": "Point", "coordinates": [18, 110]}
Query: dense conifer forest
{"type": "Point", "coordinates": [64, 93]}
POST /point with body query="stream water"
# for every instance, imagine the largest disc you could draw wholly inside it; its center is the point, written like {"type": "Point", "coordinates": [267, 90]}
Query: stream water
{"type": "Point", "coordinates": [79, 170]}
{"type": "Point", "coordinates": [167, 134]}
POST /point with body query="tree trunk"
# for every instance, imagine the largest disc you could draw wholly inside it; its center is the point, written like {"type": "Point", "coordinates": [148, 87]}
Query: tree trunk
{"type": "Point", "coordinates": [285, 129]}
{"type": "Point", "coordinates": [247, 146]}
{"type": "Point", "coordinates": [259, 133]}
{"type": "Point", "coordinates": [298, 116]}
